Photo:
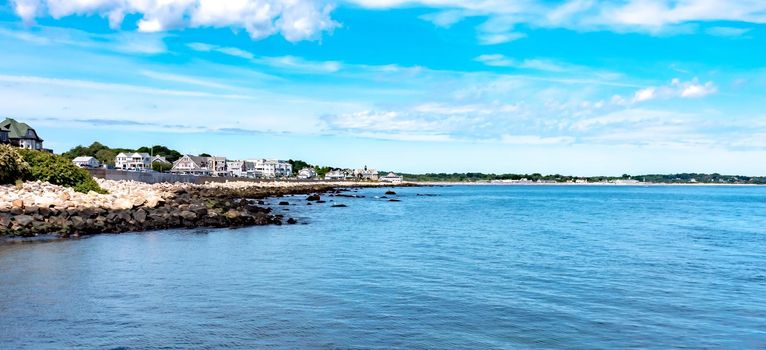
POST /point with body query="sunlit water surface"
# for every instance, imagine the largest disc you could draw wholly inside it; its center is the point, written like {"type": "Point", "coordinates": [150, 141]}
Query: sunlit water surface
{"type": "Point", "coordinates": [471, 268]}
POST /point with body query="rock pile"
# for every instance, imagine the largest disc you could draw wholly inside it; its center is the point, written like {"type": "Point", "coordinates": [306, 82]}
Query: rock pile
{"type": "Point", "coordinates": [41, 208]}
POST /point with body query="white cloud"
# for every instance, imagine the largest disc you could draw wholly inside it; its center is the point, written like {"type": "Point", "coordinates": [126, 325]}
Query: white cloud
{"type": "Point", "coordinates": [295, 19]}
{"type": "Point", "coordinates": [497, 60]}
{"type": "Point", "coordinates": [645, 94]}
{"type": "Point", "coordinates": [286, 62]}
{"type": "Point", "coordinates": [728, 31]}
{"type": "Point", "coordinates": [677, 88]}
{"type": "Point", "coordinates": [646, 16]}
{"type": "Point", "coordinates": [694, 89]}
{"type": "Point", "coordinates": [297, 63]}
{"type": "Point", "coordinates": [231, 51]}
{"type": "Point", "coordinates": [500, 38]}
{"type": "Point", "coordinates": [307, 19]}
{"type": "Point", "coordinates": [187, 80]}
{"type": "Point", "coordinates": [536, 140]}
{"type": "Point", "coordinates": [630, 118]}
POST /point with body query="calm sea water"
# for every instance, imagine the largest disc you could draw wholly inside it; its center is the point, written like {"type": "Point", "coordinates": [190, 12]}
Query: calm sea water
{"type": "Point", "coordinates": [472, 268]}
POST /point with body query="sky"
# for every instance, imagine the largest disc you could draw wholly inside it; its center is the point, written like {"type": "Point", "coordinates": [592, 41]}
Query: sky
{"type": "Point", "coordinates": [580, 87]}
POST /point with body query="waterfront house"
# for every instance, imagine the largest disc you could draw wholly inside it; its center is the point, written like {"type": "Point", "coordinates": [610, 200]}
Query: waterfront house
{"type": "Point", "coordinates": [339, 174]}
{"type": "Point", "coordinates": [86, 162]}
{"type": "Point", "coordinates": [191, 165]}
{"type": "Point", "coordinates": [20, 135]}
{"type": "Point", "coordinates": [249, 169]}
{"type": "Point", "coordinates": [160, 160]}
{"type": "Point", "coordinates": [272, 168]}
{"type": "Point", "coordinates": [366, 174]}
{"type": "Point", "coordinates": [392, 178]}
{"type": "Point", "coordinates": [236, 168]}
{"type": "Point", "coordinates": [307, 173]}
{"type": "Point", "coordinates": [133, 161]}
{"type": "Point", "coordinates": [217, 166]}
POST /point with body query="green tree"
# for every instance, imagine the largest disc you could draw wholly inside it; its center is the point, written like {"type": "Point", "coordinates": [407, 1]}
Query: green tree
{"type": "Point", "coordinates": [106, 156]}
{"type": "Point", "coordinates": [298, 165]}
{"type": "Point", "coordinates": [158, 150]}
{"type": "Point", "coordinates": [13, 167]}
{"type": "Point", "coordinates": [59, 170]}
{"type": "Point", "coordinates": [161, 167]}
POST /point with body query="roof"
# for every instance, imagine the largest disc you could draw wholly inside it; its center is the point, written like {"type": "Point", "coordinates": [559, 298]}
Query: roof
{"type": "Point", "coordinates": [17, 130]}
{"type": "Point", "coordinates": [83, 159]}
{"type": "Point", "coordinates": [160, 159]}
{"type": "Point", "coordinates": [198, 161]}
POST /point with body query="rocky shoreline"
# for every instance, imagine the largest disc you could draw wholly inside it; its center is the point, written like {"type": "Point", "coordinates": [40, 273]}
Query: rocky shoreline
{"type": "Point", "coordinates": [41, 209]}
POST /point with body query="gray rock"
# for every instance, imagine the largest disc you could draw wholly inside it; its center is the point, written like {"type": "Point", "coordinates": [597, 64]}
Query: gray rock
{"type": "Point", "coordinates": [23, 220]}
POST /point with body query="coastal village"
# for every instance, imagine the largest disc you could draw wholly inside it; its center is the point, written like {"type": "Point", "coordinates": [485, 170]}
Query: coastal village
{"type": "Point", "coordinates": [23, 136]}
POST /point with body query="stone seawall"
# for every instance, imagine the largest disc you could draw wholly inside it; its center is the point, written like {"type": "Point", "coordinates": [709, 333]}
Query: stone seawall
{"type": "Point", "coordinates": [41, 208]}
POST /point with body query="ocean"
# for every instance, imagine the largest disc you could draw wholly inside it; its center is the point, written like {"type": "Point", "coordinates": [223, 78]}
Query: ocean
{"type": "Point", "coordinates": [462, 267]}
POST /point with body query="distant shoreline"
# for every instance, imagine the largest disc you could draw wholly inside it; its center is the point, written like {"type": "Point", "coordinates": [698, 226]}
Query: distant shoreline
{"type": "Point", "coordinates": [597, 184]}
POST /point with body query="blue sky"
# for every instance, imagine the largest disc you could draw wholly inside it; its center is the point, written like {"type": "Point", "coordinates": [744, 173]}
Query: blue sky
{"type": "Point", "coordinates": [579, 87]}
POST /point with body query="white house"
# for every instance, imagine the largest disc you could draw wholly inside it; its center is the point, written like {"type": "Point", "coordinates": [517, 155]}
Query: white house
{"type": "Point", "coordinates": [366, 174]}
{"type": "Point", "coordinates": [392, 178]}
{"type": "Point", "coordinates": [271, 168]}
{"type": "Point", "coordinates": [133, 161]}
{"type": "Point", "coordinates": [236, 168]}
{"type": "Point", "coordinates": [339, 174]}
{"type": "Point", "coordinates": [86, 162]}
{"type": "Point", "coordinates": [191, 165]}
{"type": "Point", "coordinates": [307, 173]}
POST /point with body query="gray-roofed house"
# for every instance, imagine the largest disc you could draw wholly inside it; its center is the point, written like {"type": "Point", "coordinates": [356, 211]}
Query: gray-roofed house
{"type": "Point", "coordinates": [191, 165]}
{"type": "Point", "coordinates": [21, 135]}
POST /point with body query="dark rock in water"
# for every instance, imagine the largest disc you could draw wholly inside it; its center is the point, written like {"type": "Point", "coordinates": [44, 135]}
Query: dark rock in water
{"type": "Point", "coordinates": [383, 197]}
{"type": "Point", "coordinates": [309, 203]}
{"type": "Point", "coordinates": [261, 202]}
{"type": "Point", "coordinates": [292, 221]}
{"type": "Point", "coordinates": [313, 197]}
{"type": "Point", "coordinates": [339, 206]}
{"type": "Point", "coordinates": [390, 193]}
{"type": "Point", "coordinates": [284, 203]}
{"type": "Point", "coordinates": [394, 200]}
{"type": "Point", "coordinates": [427, 195]}
{"type": "Point", "coordinates": [285, 209]}
{"type": "Point", "coordinates": [321, 202]}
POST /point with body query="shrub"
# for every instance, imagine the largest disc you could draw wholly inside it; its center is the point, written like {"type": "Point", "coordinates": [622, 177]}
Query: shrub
{"type": "Point", "coordinates": [58, 170]}
{"type": "Point", "coordinates": [12, 165]}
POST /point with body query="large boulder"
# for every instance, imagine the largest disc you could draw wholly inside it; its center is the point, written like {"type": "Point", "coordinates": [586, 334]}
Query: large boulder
{"type": "Point", "coordinates": [23, 220]}
{"type": "Point", "coordinates": [140, 216]}
{"type": "Point", "coordinates": [188, 215]}
{"type": "Point", "coordinates": [122, 204]}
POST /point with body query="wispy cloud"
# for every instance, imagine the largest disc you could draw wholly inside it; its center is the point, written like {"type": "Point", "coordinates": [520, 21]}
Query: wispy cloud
{"type": "Point", "coordinates": [183, 79]}
{"type": "Point", "coordinates": [93, 85]}
{"type": "Point", "coordinates": [728, 31]}
{"type": "Point", "coordinates": [293, 63]}
{"type": "Point", "coordinates": [295, 20]}
{"type": "Point", "coordinates": [497, 60]}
